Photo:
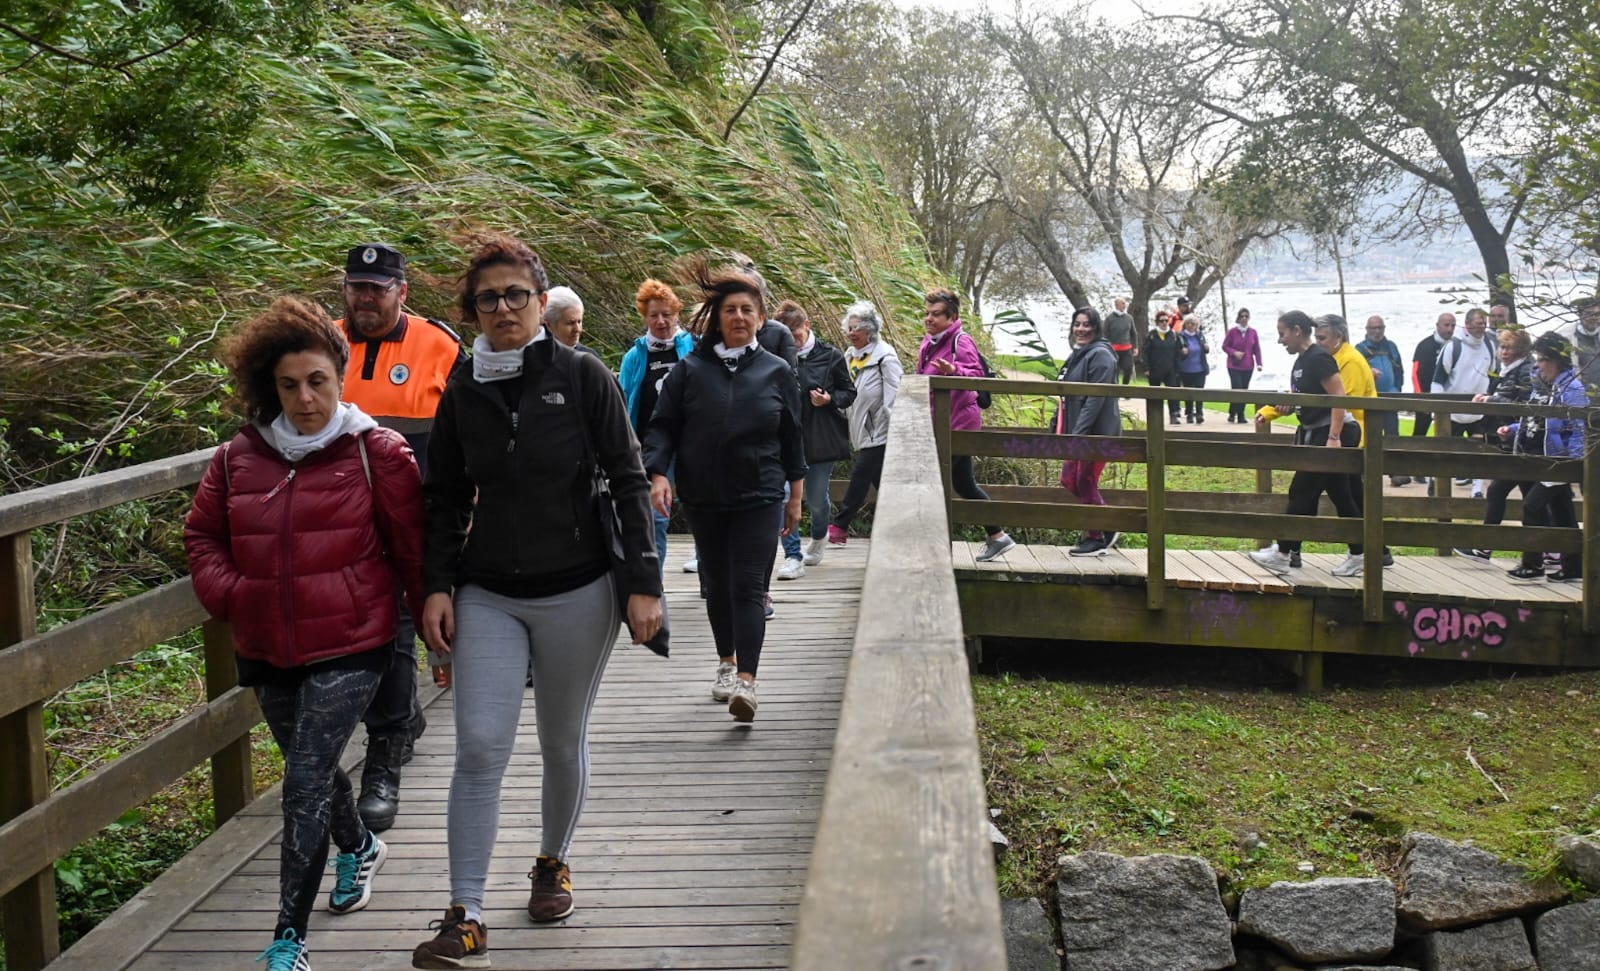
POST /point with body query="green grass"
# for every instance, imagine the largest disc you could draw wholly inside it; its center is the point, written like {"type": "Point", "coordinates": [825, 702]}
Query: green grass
{"type": "Point", "coordinates": [1108, 756]}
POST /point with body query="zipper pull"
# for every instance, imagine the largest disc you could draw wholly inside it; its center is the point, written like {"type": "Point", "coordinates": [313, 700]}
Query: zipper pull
{"type": "Point", "coordinates": [511, 443]}
{"type": "Point", "coordinates": [279, 487]}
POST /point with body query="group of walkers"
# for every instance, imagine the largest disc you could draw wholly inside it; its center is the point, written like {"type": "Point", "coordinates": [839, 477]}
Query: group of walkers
{"type": "Point", "coordinates": [1500, 364]}
{"type": "Point", "coordinates": [514, 502]}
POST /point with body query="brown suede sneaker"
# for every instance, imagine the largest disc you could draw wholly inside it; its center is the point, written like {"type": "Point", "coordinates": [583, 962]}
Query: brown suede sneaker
{"type": "Point", "coordinates": [552, 890]}
{"type": "Point", "coordinates": [460, 943]}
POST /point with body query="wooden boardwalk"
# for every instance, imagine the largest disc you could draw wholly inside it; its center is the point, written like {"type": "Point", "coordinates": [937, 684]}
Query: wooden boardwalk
{"type": "Point", "coordinates": [693, 846]}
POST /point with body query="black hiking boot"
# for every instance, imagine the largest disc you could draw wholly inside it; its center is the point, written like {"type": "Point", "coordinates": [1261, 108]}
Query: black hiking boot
{"type": "Point", "coordinates": [379, 801]}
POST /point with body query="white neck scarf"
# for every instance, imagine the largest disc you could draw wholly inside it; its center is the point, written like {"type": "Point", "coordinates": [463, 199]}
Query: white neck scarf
{"type": "Point", "coordinates": [857, 353]}
{"type": "Point", "coordinates": [293, 446]}
{"type": "Point", "coordinates": [655, 343]}
{"type": "Point", "coordinates": [490, 365]}
{"type": "Point", "coordinates": [731, 354]}
{"type": "Point", "coordinates": [810, 343]}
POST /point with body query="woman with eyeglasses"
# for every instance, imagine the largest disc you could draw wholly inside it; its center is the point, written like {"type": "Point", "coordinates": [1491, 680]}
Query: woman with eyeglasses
{"type": "Point", "coordinates": [1162, 350]}
{"type": "Point", "coordinates": [515, 444]}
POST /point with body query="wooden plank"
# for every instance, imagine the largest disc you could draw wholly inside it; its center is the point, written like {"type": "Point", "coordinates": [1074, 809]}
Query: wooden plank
{"type": "Point", "coordinates": [1318, 528]}
{"type": "Point", "coordinates": [233, 784]}
{"type": "Point", "coordinates": [1245, 454]}
{"type": "Point", "coordinates": [28, 905]}
{"type": "Point", "coordinates": [1270, 582]}
{"type": "Point", "coordinates": [44, 833]}
{"type": "Point", "coordinates": [1372, 530]}
{"type": "Point", "coordinates": [1590, 558]}
{"type": "Point", "coordinates": [901, 801]}
{"type": "Point", "coordinates": [1065, 515]}
{"type": "Point", "coordinates": [33, 508]}
{"type": "Point", "coordinates": [1182, 570]}
{"type": "Point", "coordinates": [1225, 573]}
{"type": "Point", "coordinates": [1054, 561]}
{"type": "Point", "coordinates": [1155, 505]}
{"type": "Point", "coordinates": [42, 665]}
{"type": "Point", "coordinates": [1030, 444]}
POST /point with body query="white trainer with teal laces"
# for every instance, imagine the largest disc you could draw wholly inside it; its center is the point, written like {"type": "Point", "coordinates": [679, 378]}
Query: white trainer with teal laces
{"type": "Point", "coordinates": [353, 873]}
{"type": "Point", "coordinates": [287, 953]}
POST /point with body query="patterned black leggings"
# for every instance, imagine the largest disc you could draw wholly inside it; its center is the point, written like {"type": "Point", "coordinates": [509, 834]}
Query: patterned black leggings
{"type": "Point", "coordinates": [312, 720]}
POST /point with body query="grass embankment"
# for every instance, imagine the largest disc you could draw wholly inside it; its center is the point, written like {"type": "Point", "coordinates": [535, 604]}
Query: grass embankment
{"type": "Point", "coordinates": [1218, 757]}
{"type": "Point", "coordinates": [1138, 750]}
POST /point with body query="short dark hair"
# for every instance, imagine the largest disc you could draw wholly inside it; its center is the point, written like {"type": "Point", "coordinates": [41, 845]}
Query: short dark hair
{"type": "Point", "coordinates": [946, 297]}
{"type": "Point", "coordinates": [495, 250]}
{"type": "Point", "coordinates": [716, 286]}
{"type": "Point", "coordinates": [252, 352]}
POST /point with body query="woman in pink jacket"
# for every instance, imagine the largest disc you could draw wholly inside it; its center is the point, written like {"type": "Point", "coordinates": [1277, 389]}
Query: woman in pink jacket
{"type": "Point", "coordinates": [947, 350]}
{"type": "Point", "coordinates": [302, 530]}
{"type": "Point", "coordinates": [1242, 348]}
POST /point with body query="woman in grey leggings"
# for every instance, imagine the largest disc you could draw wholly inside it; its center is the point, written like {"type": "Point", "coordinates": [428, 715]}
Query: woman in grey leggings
{"type": "Point", "coordinates": [531, 585]}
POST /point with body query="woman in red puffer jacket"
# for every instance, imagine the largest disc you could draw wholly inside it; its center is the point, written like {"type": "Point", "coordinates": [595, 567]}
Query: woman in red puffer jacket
{"type": "Point", "coordinates": [302, 529]}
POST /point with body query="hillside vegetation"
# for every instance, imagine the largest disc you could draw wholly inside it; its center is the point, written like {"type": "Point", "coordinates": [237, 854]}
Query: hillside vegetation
{"type": "Point", "coordinates": [570, 125]}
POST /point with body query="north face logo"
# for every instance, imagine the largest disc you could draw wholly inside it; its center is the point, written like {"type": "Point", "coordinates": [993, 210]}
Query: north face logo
{"type": "Point", "coordinates": [554, 398]}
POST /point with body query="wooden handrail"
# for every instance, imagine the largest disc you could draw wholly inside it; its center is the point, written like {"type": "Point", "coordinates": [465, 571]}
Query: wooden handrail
{"type": "Point", "coordinates": [901, 875]}
{"type": "Point", "coordinates": [1165, 514]}
{"type": "Point", "coordinates": [37, 826]}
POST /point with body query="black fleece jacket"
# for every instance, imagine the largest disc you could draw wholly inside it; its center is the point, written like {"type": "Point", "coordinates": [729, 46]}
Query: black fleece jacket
{"type": "Point", "coordinates": [522, 481]}
{"type": "Point", "coordinates": [735, 433]}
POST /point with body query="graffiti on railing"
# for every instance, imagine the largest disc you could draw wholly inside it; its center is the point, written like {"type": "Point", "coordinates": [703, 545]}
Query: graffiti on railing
{"type": "Point", "coordinates": [1072, 447]}
{"type": "Point", "coordinates": [1218, 617]}
{"type": "Point", "coordinates": [1456, 630]}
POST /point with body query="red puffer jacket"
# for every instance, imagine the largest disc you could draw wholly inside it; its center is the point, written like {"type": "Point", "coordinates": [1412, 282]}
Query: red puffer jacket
{"type": "Point", "coordinates": [301, 559]}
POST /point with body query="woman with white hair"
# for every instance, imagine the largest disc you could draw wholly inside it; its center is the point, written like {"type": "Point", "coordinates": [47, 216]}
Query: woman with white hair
{"type": "Point", "coordinates": [876, 370]}
{"type": "Point", "coordinates": [563, 314]}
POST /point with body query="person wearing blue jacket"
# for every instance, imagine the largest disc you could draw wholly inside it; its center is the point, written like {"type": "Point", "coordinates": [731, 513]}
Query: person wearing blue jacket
{"type": "Point", "coordinates": [1550, 503]}
{"type": "Point", "coordinates": [645, 366]}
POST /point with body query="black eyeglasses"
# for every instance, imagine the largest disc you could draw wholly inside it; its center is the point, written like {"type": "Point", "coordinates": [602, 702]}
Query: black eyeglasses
{"type": "Point", "coordinates": [488, 301]}
{"type": "Point", "coordinates": [1161, 317]}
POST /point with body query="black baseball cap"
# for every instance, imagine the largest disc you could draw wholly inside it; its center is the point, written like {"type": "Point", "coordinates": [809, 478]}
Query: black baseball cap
{"type": "Point", "coordinates": [1183, 301]}
{"type": "Point", "coordinates": [375, 263]}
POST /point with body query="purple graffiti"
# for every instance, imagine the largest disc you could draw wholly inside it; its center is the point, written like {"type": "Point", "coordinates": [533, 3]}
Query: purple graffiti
{"type": "Point", "coordinates": [1217, 615]}
{"type": "Point", "coordinates": [1463, 630]}
{"type": "Point", "coordinates": [1069, 447]}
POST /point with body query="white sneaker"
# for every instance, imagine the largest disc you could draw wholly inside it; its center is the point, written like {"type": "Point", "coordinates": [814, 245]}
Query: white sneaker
{"type": "Point", "coordinates": [743, 704]}
{"type": "Point", "coordinates": [995, 548]}
{"type": "Point", "coordinates": [792, 569]}
{"type": "Point", "coordinates": [814, 552]}
{"type": "Point", "coordinates": [1272, 559]}
{"type": "Point", "coordinates": [1351, 567]}
{"type": "Point", "coordinates": [727, 679]}
{"type": "Point", "coordinates": [691, 565]}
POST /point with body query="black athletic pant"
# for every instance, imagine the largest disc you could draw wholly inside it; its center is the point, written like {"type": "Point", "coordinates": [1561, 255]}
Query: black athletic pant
{"type": "Point", "coordinates": [394, 706]}
{"type": "Point", "coordinates": [1496, 495]}
{"type": "Point", "coordinates": [864, 476]}
{"type": "Point", "coordinates": [1239, 380]}
{"type": "Point", "coordinates": [312, 718]}
{"type": "Point", "coordinates": [1306, 488]}
{"type": "Point", "coordinates": [1192, 379]}
{"type": "Point", "coordinates": [1125, 365]}
{"type": "Point", "coordinates": [735, 551]}
{"type": "Point", "coordinates": [965, 483]}
{"type": "Point", "coordinates": [1550, 505]}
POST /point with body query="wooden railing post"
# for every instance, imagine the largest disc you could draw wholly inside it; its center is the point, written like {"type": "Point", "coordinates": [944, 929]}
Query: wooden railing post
{"type": "Point", "coordinates": [1591, 540]}
{"type": "Point", "coordinates": [942, 406]}
{"type": "Point", "coordinates": [232, 778]}
{"type": "Point", "coordinates": [1155, 471]}
{"type": "Point", "coordinates": [32, 936]}
{"type": "Point", "coordinates": [1443, 485]}
{"type": "Point", "coordinates": [1372, 518]}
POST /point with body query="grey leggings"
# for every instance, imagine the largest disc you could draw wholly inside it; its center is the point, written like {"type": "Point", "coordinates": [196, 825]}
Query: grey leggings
{"type": "Point", "coordinates": [568, 638]}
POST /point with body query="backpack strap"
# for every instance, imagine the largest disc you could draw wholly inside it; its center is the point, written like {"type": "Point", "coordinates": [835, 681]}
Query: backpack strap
{"type": "Point", "coordinates": [366, 465]}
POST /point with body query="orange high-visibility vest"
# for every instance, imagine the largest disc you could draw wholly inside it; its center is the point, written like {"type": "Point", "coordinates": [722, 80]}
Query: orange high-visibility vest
{"type": "Point", "coordinates": [399, 378]}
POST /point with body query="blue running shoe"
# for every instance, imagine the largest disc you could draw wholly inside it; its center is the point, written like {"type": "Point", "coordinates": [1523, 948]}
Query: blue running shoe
{"type": "Point", "coordinates": [353, 873]}
{"type": "Point", "coordinates": [287, 953]}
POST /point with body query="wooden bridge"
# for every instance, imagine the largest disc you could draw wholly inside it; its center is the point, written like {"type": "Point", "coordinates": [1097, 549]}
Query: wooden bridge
{"type": "Point", "coordinates": [842, 830]}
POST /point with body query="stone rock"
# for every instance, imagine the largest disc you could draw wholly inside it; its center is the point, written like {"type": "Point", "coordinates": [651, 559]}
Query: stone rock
{"type": "Point", "coordinates": [1568, 938]}
{"type": "Point", "coordinates": [998, 841]}
{"type": "Point", "coordinates": [1500, 946]}
{"type": "Point", "coordinates": [1581, 858]}
{"type": "Point", "coordinates": [1363, 967]}
{"type": "Point", "coordinates": [1030, 940]}
{"type": "Point", "coordinates": [1445, 884]}
{"type": "Point", "coordinates": [1137, 913]}
{"type": "Point", "coordinates": [1331, 919]}
{"type": "Point", "coordinates": [1261, 958]}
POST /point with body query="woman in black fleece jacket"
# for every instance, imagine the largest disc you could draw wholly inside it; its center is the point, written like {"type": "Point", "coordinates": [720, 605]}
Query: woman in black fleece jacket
{"type": "Point", "coordinates": [730, 415]}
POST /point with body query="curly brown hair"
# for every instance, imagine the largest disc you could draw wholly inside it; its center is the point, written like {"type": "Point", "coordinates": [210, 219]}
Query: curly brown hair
{"type": "Point", "coordinates": [654, 289]}
{"type": "Point", "coordinates": [494, 250]}
{"type": "Point", "coordinates": [716, 286]}
{"type": "Point", "coordinates": [251, 353]}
